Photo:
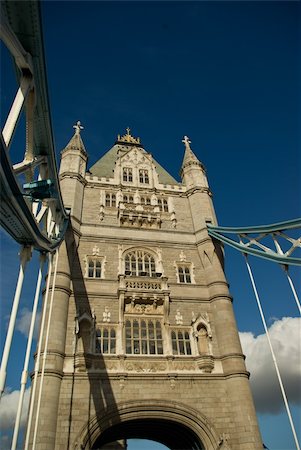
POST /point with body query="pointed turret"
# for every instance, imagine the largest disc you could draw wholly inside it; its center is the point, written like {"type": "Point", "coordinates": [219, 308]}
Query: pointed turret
{"type": "Point", "coordinates": [76, 142]}
{"type": "Point", "coordinates": [192, 171]}
{"type": "Point", "coordinates": [72, 172]}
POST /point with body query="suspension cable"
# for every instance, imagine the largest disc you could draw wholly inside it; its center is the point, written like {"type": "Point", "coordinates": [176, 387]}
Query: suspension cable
{"type": "Point", "coordinates": [38, 356]}
{"type": "Point", "coordinates": [272, 352]}
{"type": "Point", "coordinates": [45, 351]}
{"type": "Point", "coordinates": [285, 267]}
{"type": "Point", "coordinates": [27, 355]}
{"type": "Point", "coordinates": [25, 256]}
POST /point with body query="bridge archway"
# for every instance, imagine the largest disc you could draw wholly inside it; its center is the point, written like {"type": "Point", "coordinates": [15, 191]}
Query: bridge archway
{"type": "Point", "coordinates": [170, 423]}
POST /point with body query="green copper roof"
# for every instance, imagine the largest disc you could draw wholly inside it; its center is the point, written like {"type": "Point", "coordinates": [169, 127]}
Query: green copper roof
{"type": "Point", "coordinates": [105, 166]}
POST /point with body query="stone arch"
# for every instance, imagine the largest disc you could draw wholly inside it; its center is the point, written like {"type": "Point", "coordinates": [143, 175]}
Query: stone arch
{"type": "Point", "coordinates": [143, 250]}
{"type": "Point", "coordinates": [198, 430]}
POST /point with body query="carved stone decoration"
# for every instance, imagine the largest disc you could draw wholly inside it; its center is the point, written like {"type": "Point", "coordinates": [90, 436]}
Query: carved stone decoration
{"type": "Point", "coordinates": [120, 259]}
{"type": "Point", "coordinates": [159, 262]}
{"type": "Point", "coordinates": [95, 251]}
{"type": "Point", "coordinates": [202, 333]}
{"type": "Point", "coordinates": [179, 318]}
{"type": "Point", "coordinates": [205, 363]}
{"type": "Point", "coordinates": [182, 256]}
{"type": "Point", "coordinates": [101, 213]}
{"type": "Point", "coordinates": [144, 307]}
{"type": "Point", "coordinates": [106, 315]}
{"type": "Point", "coordinates": [183, 365]}
{"type": "Point", "coordinates": [173, 219]}
{"type": "Point", "coordinates": [223, 442]}
{"type": "Point", "coordinates": [145, 367]}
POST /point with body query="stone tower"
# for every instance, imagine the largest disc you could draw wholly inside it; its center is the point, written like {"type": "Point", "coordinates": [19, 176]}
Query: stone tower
{"type": "Point", "coordinates": [143, 342]}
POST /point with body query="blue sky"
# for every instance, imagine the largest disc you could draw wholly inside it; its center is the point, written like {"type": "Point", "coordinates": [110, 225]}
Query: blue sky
{"type": "Point", "coordinates": [224, 73]}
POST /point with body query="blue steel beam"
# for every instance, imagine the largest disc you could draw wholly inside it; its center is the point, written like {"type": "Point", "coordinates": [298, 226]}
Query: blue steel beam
{"type": "Point", "coordinates": [272, 229]}
{"type": "Point", "coordinates": [25, 28]}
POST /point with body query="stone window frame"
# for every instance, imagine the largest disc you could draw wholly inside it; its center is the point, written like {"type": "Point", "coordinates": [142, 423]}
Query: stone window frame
{"type": "Point", "coordinates": [128, 198]}
{"type": "Point", "coordinates": [184, 272]}
{"type": "Point", "coordinates": [143, 267]}
{"type": "Point", "coordinates": [144, 176]}
{"type": "Point", "coordinates": [127, 174]}
{"type": "Point", "coordinates": [176, 341]}
{"type": "Point", "coordinates": [144, 339]}
{"type": "Point", "coordinates": [96, 259]}
{"type": "Point", "coordinates": [163, 204]}
{"type": "Point", "coordinates": [105, 341]}
{"type": "Point", "coordinates": [110, 200]}
{"type": "Point", "coordinates": [145, 200]}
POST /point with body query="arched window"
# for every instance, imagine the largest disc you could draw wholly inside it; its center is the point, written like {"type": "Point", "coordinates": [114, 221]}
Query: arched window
{"type": "Point", "coordinates": [163, 205]}
{"type": "Point", "coordinates": [140, 263]}
{"type": "Point", "coordinates": [143, 176]}
{"type": "Point", "coordinates": [184, 274]}
{"type": "Point", "coordinates": [127, 174]}
{"type": "Point", "coordinates": [105, 340]}
{"type": "Point", "coordinates": [110, 199]}
{"type": "Point", "coordinates": [94, 268]}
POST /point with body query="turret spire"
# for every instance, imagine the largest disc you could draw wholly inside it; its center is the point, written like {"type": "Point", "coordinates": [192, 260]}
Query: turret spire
{"type": "Point", "coordinates": [78, 127]}
{"type": "Point", "coordinates": [189, 157]}
{"type": "Point", "coordinates": [76, 142]}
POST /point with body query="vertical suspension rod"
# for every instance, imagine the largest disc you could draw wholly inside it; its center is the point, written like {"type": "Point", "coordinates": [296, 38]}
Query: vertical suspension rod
{"type": "Point", "coordinates": [272, 353]}
{"type": "Point", "coordinates": [27, 355]}
{"type": "Point", "coordinates": [38, 356]}
{"type": "Point", "coordinates": [25, 255]}
{"type": "Point", "coordinates": [45, 351]}
{"type": "Point", "coordinates": [293, 289]}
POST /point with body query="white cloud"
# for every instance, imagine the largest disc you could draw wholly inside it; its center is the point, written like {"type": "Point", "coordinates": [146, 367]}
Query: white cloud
{"type": "Point", "coordinates": [8, 409]}
{"type": "Point", "coordinates": [23, 322]}
{"type": "Point", "coordinates": [285, 336]}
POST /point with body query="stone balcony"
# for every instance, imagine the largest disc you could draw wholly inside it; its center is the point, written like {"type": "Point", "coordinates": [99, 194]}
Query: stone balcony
{"type": "Point", "coordinates": [143, 283]}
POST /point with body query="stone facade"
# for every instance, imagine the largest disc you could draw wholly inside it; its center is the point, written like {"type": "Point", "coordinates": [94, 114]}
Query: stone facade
{"type": "Point", "coordinates": [143, 335]}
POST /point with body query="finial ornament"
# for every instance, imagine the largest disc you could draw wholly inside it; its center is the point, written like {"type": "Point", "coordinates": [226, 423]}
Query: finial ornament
{"type": "Point", "coordinates": [78, 127]}
{"type": "Point", "coordinates": [128, 138]}
{"type": "Point", "coordinates": [186, 141]}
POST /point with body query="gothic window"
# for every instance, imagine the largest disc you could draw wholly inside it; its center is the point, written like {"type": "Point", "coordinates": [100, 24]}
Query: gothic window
{"type": "Point", "coordinates": [143, 337]}
{"type": "Point", "coordinates": [127, 174]}
{"type": "Point", "coordinates": [125, 199]}
{"type": "Point", "coordinates": [143, 176]}
{"type": "Point", "coordinates": [140, 263]}
{"type": "Point", "coordinates": [110, 199]}
{"type": "Point", "coordinates": [180, 342]}
{"type": "Point", "coordinates": [145, 200]}
{"type": "Point", "coordinates": [163, 205]}
{"type": "Point", "coordinates": [184, 274]}
{"type": "Point", "coordinates": [105, 341]}
{"type": "Point", "coordinates": [94, 268]}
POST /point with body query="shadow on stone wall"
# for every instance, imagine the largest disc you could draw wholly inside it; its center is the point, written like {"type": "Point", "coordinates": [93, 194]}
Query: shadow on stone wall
{"type": "Point", "coordinates": [101, 393]}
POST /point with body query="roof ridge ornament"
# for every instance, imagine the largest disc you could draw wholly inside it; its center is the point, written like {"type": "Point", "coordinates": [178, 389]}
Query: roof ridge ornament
{"type": "Point", "coordinates": [78, 127]}
{"type": "Point", "coordinates": [128, 138]}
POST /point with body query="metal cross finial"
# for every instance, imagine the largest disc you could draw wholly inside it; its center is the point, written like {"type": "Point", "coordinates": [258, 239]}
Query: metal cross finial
{"type": "Point", "coordinates": [128, 130]}
{"type": "Point", "coordinates": [78, 127]}
{"type": "Point", "coordinates": [186, 141]}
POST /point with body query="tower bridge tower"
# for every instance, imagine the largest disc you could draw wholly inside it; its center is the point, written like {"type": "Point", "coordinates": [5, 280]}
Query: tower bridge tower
{"type": "Point", "coordinates": [143, 341]}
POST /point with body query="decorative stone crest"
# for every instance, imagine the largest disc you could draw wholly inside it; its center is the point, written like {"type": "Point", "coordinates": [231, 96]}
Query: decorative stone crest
{"type": "Point", "coordinates": [128, 138]}
{"type": "Point", "coordinates": [183, 256]}
{"type": "Point", "coordinates": [179, 318]}
{"type": "Point", "coordinates": [95, 251]}
{"type": "Point", "coordinates": [106, 315]}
